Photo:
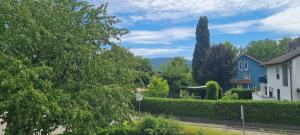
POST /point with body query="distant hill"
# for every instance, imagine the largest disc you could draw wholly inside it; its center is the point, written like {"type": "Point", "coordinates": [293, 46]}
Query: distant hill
{"type": "Point", "coordinates": [156, 62]}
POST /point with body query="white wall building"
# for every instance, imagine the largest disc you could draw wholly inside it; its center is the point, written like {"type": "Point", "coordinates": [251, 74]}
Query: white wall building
{"type": "Point", "coordinates": [283, 78]}
{"type": "Point", "coordinates": [283, 75]}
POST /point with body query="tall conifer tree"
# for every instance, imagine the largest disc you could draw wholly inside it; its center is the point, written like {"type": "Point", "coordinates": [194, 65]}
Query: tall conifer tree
{"type": "Point", "coordinates": [202, 45]}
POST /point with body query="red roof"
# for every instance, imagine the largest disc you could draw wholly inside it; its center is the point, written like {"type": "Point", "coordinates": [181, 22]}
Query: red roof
{"type": "Point", "coordinates": [240, 81]}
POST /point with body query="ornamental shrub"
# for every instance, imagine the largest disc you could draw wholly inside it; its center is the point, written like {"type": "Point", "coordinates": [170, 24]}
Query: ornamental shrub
{"type": "Point", "coordinates": [242, 93]}
{"type": "Point", "coordinates": [213, 90]}
{"type": "Point", "coordinates": [230, 96]}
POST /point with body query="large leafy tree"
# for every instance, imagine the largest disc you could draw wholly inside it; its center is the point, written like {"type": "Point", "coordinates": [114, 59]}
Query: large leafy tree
{"type": "Point", "coordinates": [202, 45]}
{"type": "Point", "coordinates": [28, 100]}
{"type": "Point", "coordinates": [234, 49]}
{"type": "Point", "coordinates": [267, 49]}
{"type": "Point", "coordinates": [60, 71]}
{"type": "Point", "coordinates": [145, 71]}
{"type": "Point", "coordinates": [218, 65]}
{"type": "Point", "coordinates": [178, 75]}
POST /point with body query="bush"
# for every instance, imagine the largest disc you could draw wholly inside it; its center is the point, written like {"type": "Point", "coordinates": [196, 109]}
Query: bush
{"type": "Point", "coordinates": [158, 87]}
{"type": "Point", "coordinates": [230, 96]}
{"type": "Point", "coordinates": [213, 90]}
{"type": "Point", "coordinates": [149, 125]}
{"type": "Point", "coordinates": [185, 94]}
{"type": "Point", "coordinates": [255, 111]}
{"type": "Point", "coordinates": [119, 131]}
{"type": "Point", "coordinates": [242, 93]}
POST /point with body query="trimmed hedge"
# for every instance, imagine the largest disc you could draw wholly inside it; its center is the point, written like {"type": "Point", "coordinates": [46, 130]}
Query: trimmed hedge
{"type": "Point", "coordinates": [255, 111]}
{"type": "Point", "coordinates": [242, 93]}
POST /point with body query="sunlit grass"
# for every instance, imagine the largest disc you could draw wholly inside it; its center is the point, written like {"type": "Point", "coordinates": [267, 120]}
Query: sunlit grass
{"type": "Point", "coordinates": [198, 130]}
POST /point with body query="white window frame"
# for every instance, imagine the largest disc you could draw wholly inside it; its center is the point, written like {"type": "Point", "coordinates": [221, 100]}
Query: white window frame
{"type": "Point", "coordinates": [247, 76]}
{"type": "Point", "coordinates": [241, 65]}
{"type": "Point", "coordinates": [277, 72]}
{"type": "Point", "coordinates": [246, 63]}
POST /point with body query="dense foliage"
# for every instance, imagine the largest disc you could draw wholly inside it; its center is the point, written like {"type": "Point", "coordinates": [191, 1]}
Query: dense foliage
{"type": "Point", "coordinates": [255, 111]}
{"type": "Point", "coordinates": [267, 49]}
{"type": "Point", "coordinates": [144, 72]}
{"type": "Point", "coordinates": [149, 125]}
{"type": "Point", "coordinates": [233, 48]}
{"type": "Point", "coordinates": [218, 65]}
{"type": "Point", "coordinates": [242, 93]}
{"type": "Point", "coordinates": [202, 45]}
{"type": "Point", "coordinates": [213, 90]}
{"type": "Point", "coordinates": [177, 74]}
{"type": "Point", "coordinates": [158, 87]}
{"type": "Point", "coordinates": [59, 67]}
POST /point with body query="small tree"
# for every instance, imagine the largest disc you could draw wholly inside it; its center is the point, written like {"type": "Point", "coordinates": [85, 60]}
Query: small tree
{"type": "Point", "coordinates": [158, 87]}
{"type": "Point", "coordinates": [178, 75]}
{"type": "Point", "coordinates": [213, 90]}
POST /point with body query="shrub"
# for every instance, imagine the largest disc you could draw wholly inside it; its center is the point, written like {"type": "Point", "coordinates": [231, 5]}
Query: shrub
{"type": "Point", "coordinates": [185, 94]}
{"type": "Point", "coordinates": [255, 111]}
{"type": "Point", "coordinates": [230, 96]}
{"type": "Point", "coordinates": [119, 131]}
{"type": "Point", "coordinates": [158, 87]}
{"type": "Point", "coordinates": [149, 125]}
{"type": "Point", "coordinates": [242, 93]}
{"type": "Point", "coordinates": [213, 90]}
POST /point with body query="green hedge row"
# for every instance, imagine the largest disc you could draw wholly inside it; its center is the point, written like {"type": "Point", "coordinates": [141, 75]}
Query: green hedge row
{"type": "Point", "coordinates": [242, 93]}
{"type": "Point", "coordinates": [255, 111]}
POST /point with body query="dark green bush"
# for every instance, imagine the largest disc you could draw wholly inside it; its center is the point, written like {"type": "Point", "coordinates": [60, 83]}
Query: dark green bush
{"type": "Point", "coordinates": [255, 111]}
{"type": "Point", "coordinates": [242, 93]}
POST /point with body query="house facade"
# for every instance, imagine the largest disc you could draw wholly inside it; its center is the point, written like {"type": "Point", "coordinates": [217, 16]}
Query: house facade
{"type": "Point", "coordinates": [283, 77]}
{"type": "Point", "coordinates": [249, 70]}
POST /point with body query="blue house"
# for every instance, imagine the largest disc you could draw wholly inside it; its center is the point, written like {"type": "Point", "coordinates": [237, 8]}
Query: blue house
{"type": "Point", "coordinates": [249, 70]}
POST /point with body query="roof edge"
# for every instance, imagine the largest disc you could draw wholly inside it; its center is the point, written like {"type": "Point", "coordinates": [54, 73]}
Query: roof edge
{"type": "Point", "coordinates": [248, 57]}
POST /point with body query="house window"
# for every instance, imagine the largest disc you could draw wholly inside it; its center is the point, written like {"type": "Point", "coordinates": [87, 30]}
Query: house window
{"type": "Point", "coordinates": [278, 94]}
{"type": "Point", "coordinates": [266, 90]}
{"type": "Point", "coordinates": [270, 92]}
{"type": "Point", "coordinates": [285, 75]}
{"type": "Point", "coordinates": [246, 65]}
{"type": "Point", "coordinates": [277, 73]}
{"type": "Point", "coordinates": [247, 76]}
{"type": "Point", "coordinates": [240, 65]}
{"type": "Point", "coordinates": [239, 86]}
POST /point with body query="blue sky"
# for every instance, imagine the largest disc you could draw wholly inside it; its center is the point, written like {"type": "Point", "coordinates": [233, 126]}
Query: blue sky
{"type": "Point", "coordinates": [166, 28]}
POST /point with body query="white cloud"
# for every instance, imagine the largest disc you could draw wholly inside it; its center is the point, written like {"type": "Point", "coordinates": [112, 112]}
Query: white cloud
{"type": "Point", "coordinates": [165, 36]}
{"type": "Point", "coordinates": [155, 51]}
{"type": "Point", "coordinates": [180, 10]}
{"type": "Point", "coordinates": [287, 21]}
{"type": "Point", "coordinates": [236, 28]}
